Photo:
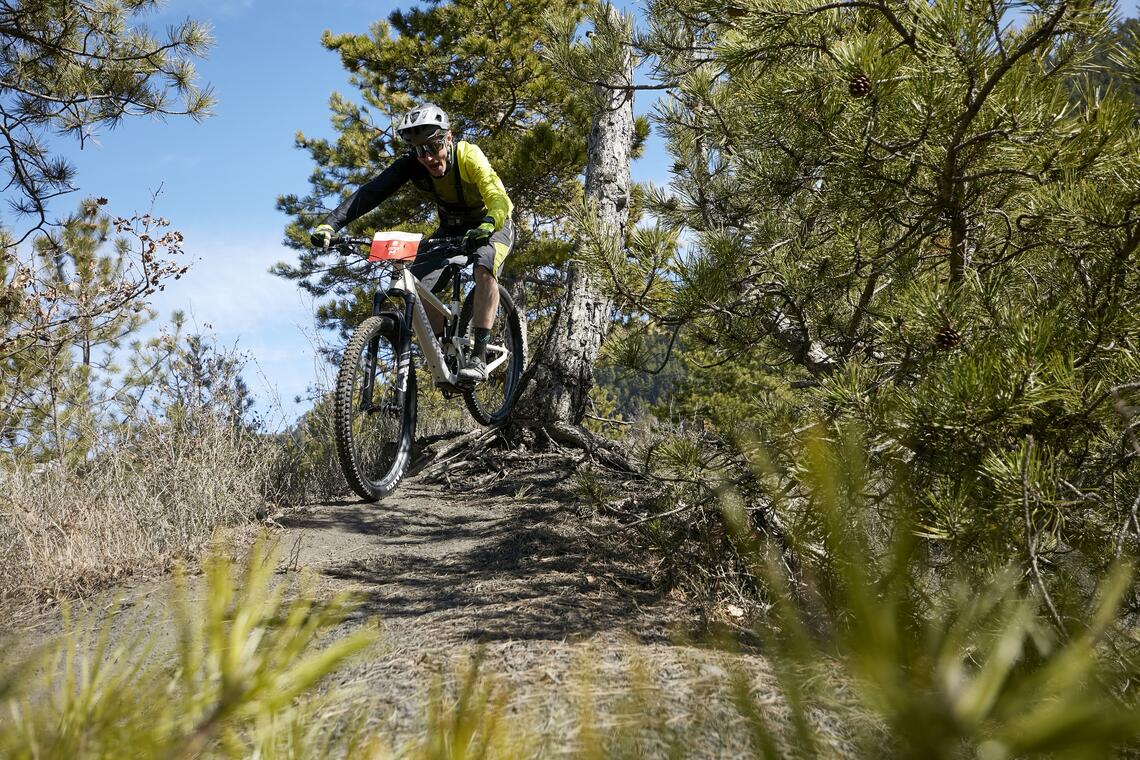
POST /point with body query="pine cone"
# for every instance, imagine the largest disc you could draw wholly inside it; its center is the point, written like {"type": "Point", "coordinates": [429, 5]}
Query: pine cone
{"type": "Point", "coordinates": [947, 338]}
{"type": "Point", "coordinates": [859, 85]}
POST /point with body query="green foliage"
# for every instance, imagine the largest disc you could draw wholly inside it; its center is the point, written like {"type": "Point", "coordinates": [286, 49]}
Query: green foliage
{"type": "Point", "coordinates": [1118, 63]}
{"type": "Point", "coordinates": [903, 216]}
{"type": "Point", "coordinates": [640, 365]}
{"type": "Point", "coordinates": [856, 637]}
{"type": "Point", "coordinates": [68, 314]}
{"type": "Point", "coordinates": [474, 724]}
{"type": "Point", "coordinates": [731, 396]}
{"type": "Point", "coordinates": [244, 656]}
{"type": "Point", "coordinates": [72, 68]}
{"type": "Point", "coordinates": [944, 669]}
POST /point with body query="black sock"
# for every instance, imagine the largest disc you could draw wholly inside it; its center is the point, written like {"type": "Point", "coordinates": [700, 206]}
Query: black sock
{"type": "Point", "coordinates": [482, 336]}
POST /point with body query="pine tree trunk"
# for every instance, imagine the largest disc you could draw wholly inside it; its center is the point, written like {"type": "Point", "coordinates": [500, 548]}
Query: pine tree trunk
{"type": "Point", "coordinates": [959, 246]}
{"type": "Point", "coordinates": [563, 371]}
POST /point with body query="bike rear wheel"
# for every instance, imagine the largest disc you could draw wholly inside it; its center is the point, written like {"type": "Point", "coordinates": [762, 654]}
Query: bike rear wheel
{"type": "Point", "coordinates": [374, 421]}
{"type": "Point", "coordinates": [490, 402]}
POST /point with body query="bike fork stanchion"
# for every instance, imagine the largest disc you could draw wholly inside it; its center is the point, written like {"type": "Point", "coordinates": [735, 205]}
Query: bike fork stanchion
{"type": "Point", "coordinates": [404, 347]}
{"type": "Point", "coordinates": [369, 375]}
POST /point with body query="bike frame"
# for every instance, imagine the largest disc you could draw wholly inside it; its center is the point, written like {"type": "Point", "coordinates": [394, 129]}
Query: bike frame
{"type": "Point", "coordinates": [408, 287]}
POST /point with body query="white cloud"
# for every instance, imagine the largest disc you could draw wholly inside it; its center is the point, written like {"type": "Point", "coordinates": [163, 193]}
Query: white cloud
{"type": "Point", "coordinates": [229, 286]}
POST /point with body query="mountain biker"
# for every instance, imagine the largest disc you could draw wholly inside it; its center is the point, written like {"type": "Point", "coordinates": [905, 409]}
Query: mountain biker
{"type": "Point", "coordinates": [471, 202]}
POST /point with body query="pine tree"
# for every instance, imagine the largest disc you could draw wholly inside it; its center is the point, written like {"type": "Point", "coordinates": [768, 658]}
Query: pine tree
{"type": "Point", "coordinates": [563, 370]}
{"type": "Point", "coordinates": [73, 68]}
{"type": "Point", "coordinates": [1117, 61]}
{"type": "Point", "coordinates": [908, 203]}
{"type": "Point", "coordinates": [185, 378]}
{"type": "Point", "coordinates": [480, 63]}
{"type": "Point", "coordinates": [66, 318]}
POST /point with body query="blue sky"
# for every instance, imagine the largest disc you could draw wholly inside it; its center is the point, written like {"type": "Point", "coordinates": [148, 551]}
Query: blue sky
{"type": "Point", "coordinates": [219, 179]}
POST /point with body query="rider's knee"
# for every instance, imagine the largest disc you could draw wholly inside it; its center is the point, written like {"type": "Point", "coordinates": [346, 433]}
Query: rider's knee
{"type": "Point", "coordinates": [483, 274]}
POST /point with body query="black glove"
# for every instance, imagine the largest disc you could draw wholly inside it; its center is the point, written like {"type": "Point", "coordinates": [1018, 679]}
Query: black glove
{"type": "Point", "coordinates": [322, 236]}
{"type": "Point", "coordinates": [478, 236]}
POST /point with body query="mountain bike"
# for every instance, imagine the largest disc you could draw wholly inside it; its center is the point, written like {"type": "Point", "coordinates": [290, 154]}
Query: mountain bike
{"type": "Point", "coordinates": [374, 404]}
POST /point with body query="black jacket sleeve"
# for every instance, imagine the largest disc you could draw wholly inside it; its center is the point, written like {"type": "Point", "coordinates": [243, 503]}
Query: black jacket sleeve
{"type": "Point", "coordinates": [374, 192]}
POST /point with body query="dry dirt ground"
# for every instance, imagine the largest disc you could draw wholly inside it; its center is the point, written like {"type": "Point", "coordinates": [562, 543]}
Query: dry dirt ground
{"type": "Point", "coordinates": [507, 572]}
{"type": "Point", "coordinates": [510, 572]}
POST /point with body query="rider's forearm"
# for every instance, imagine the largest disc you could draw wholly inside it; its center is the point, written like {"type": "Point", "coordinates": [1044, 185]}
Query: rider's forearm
{"type": "Point", "coordinates": [372, 193]}
{"type": "Point", "coordinates": [498, 203]}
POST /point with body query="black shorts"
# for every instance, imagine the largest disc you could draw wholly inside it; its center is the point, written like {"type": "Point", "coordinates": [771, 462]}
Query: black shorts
{"type": "Point", "coordinates": [491, 256]}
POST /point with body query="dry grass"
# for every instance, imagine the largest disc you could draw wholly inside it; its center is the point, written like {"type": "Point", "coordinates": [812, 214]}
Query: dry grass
{"type": "Point", "coordinates": [437, 416]}
{"type": "Point", "coordinates": [134, 508]}
{"type": "Point", "coordinates": [303, 466]}
{"type": "Point", "coordinates": [141, 504]}
{"type": "Point", "coordinates": [214, 674]}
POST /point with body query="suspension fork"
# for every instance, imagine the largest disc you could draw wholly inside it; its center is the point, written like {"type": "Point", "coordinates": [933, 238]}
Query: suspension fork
{"type": "Point", "coordinates": [369, 374]}
{"type": "Point", "coordinates": [404, 346]}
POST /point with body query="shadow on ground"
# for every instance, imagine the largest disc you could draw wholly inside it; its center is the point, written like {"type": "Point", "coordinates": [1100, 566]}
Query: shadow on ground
{"type": "Point", "coordinates": [488, 566]}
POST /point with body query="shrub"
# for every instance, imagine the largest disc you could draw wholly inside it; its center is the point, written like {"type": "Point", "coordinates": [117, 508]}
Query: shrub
{"type": "Point", "coordinates": [136, 507]}
{"type": "Point", "coordinates": [244, 657]}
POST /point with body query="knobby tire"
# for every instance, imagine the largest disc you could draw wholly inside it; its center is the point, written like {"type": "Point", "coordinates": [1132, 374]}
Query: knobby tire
{"type": "Point", "coordinates": [374, 435]}
{"type": "Point", "coordinates": [491, 401]}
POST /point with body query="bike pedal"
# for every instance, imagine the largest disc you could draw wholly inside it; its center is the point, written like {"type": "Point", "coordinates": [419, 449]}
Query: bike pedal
{"type": "Point", "coordinates": [448, 390]}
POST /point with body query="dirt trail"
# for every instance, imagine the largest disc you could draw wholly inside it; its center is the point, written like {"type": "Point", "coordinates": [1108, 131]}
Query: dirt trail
{"type": "Point", "coordinates": [508, 572]}
{"type": "Point", "coordinates": [511, 573]}
{"type": "Point", "coordinates": [480, 567]}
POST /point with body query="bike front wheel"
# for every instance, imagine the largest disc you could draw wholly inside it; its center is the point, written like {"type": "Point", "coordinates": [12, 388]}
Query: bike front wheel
{"type": "Point", "coordinates": [374, 420]}
{"type": "Point", "coordinates": [490, 402]}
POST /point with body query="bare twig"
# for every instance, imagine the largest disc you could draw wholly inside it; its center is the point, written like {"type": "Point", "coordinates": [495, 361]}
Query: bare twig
{"type": "Point", "coordinates": [608, 420]}
{"type": "Point", "coordinates": [458, 448]}
{"type": "Point", "coordinates": [650, 518]}
{"type": "Point", "coordinates": [1031, 539]}
{"type": "Point", "coordinates": [1129, 518]}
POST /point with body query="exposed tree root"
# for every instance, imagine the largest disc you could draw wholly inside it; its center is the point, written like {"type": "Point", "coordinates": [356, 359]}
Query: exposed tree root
{"type": "Point", "coordinates": [599, 449]}
{"type": "Point", "coordinates": [481, 458]}
{"type": "Point", "coordinates": [491, 449]}
{"type": "Point", "coordinates": [495, 460]}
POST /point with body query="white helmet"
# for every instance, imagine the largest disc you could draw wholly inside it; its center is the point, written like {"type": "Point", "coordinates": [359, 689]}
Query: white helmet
{"type": "Point", "coordinates": [422, 123]}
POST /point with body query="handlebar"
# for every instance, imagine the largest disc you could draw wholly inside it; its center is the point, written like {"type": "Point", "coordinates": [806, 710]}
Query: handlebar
{"type": "Point", "coordinates": [346, 242]}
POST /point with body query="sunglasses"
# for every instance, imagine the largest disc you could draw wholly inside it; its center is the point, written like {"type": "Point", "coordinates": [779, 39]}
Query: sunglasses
{"type": "Point", "coordinates": [431, 147]}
